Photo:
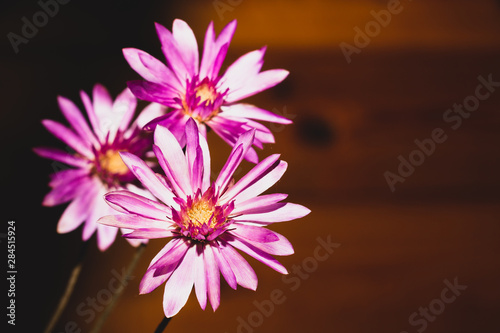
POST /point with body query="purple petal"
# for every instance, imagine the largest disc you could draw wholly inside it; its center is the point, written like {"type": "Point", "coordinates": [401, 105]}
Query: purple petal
{"type": "Point", "coordinates": [150, 112]}
{"type": "Point", "coordinates": [225, 268]}
{"type": "Point", "coordinates": [229, 130]}
{"type": "Point", "coordinates": [136, 204]}
{"type": "Point", "coordinates": [287, 212]}
{"type": "Point", "coordinates": [258, 172]}
{"type": "Point", "coordinates": [262, 133]}
{"type": "Point", "coordinates": [69, 137]}
{"type": "Point", "coordinates": [76, 119]}
{"type": "Point", "coordinates": [214, 51]}
{"type": "Point", "coordinates": [135, 242]}
{"type": "Point", "coordinates": [172, 53]}
{"type": "Point", "coordinates": [194, 155]}
{"type": "Point", "coordinates": [187, 45]}
{"type": "Point", "coordinates": [213, 277]}
{"type": "Point", "coordinates": [256, 253]}
{"type": "Point", "coordinates": [245, 275]}
{"type": "Point", "coordinates": [105, 236]}
{"type": "Point", "coordinates": [244, 69]}
{"type": "Point", "coordinates": [149, 233]}
{"type": "Point", "coordinates": [153, 92]}
{"type": "Point", "coordinates": [124, 107]}
{"type": "Point", "coordinates": [172, 159]}
{"type": "Point", "coordinates": [94, 121]}
{"type": "Point", "coordinates": [98, 209]}
{"type": "Point", "coordinates": [133, 222]}
{"type": "Point", "coordinates": [262, 182]}
{"type": "Point", "coordinates": [206, 163]}
{"type": "Point", "coordinates": [239, 151]}
{"type": "Point", "coordinates": [61, 156]}
{"type": "Point", "coordinates": [148, 178]}
{"type": "Point", "coordinates": [200, 277]}
{"type": "Point", "coordinates": [253, 233]}
{"type": "Point", "coordinates": [152, 279]}
{"type": "Point", "coordinates": [263, 81]}
{"type": "Point", "coordinates": [259, 204]}
{"type": "Point", "coordinates": [179, 285]}
{"type": "Point", "coordinates": [281, 246]}
{"type": "Point", "coordinates": [250, 111]}
{"type": "Point", "coordinates": [78, 210]}
{"type": "Point", "coordinates": [150, 68]}
{"type": "Point", "coordinates": [102, 106]}
{"type": "Point", "coordinates": [67, 185]}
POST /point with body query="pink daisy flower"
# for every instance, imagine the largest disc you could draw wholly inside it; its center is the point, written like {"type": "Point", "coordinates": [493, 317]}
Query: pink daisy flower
{"type": "Point", "coordinates": [95, 164]}
{"type": "Point", "coordinates": [197, 90]}
{"type": "Point", "coordinates": [207, 221]}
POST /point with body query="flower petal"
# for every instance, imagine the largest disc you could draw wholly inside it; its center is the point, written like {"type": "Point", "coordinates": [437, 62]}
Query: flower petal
{"type": "Point", "coordinates": [179, 285]}
{"type": "Point", "coordinates": [258, 254]}
{"type": "Point", "coordinates": [252, 177]}
{"type": "Point", "coordinates": [239, 151]}
{"type": "Point", "coordinates": [76, 119]}
{"type": "Point", "coordinates": [66, 187]}
{"type": "Point", "coordinates": [260, 204]}
{"type": "Point", "coordinates": [130, 221]}
{"type": "Point", "coordinates": [213, 277]}
{"type": "Point", "coordinates": [150, 68]}
{"type": "Point", "coordinates": [61, 156]}
{"type": "Point", "coordinates": [200, 277]}
{"type": "Point", "coordinates": [245, 275]}
{"type": "Point", "coordinates": [172, 160]}
{"type": "Point", "coordinates": [286, 212]}
{"type": "Point", "coordinates": [153, 92]}
{"type": "Point", "coordinates": [148, 178]}
{"type": "Point", "coordinates": [251, 111]}
{"type": "Point", "coordinates": [241, 71]}
{"type": "Point", "coordinates": [126, 201]}
{"type": "Point", "coordinates": [150, 112]}
{"type": "Point", "coordinates": [262, 81]}
{"type": "Point", "coordinates": [124, 109]}
{"type": "Point", "coordinates": [187, 45]}
{"type": "Point", "coordinates": [225, 268]}
{"type": "Point", "coordinates": [149, 233]}
{"type": "Point", "coordinates": [67, 136]}
{"type": "Point", "coordinates": [152, 279]}
{"type": "Point", "coordinates": [281, 246]}
{"type": "Point", "coordinates": [78, 210]}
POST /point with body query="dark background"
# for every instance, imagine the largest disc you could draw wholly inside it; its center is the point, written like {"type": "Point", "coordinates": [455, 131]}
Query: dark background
{"type": "Point", "coordinates": [351, 122]}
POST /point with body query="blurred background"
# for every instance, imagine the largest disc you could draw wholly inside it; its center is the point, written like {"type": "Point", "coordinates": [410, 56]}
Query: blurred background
{"type": "Point", "coordinates": [360, 93]}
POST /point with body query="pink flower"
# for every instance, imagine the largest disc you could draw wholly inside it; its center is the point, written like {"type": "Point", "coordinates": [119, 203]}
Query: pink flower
{"type": "Point", "coordinates": [93, 155]}
{"type": "Point", "coordinates": [206, 221]}
{"type": "Point", "coordinates": [196, 90]}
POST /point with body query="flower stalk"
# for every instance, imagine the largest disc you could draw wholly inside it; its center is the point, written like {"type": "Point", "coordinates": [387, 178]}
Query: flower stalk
{"type": "Point", "coordinates": [109, 308]}
{"type": "Point", "coordinates": [70, 286]}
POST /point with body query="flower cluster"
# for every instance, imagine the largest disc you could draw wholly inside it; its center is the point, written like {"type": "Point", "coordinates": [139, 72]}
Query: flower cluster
{"type": "Point", "coordinates": [151, 176]}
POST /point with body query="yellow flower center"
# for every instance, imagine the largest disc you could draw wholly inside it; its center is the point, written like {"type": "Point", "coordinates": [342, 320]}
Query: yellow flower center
{"type": "Point", "coordinates": [112, 163]}
{"type": "Point", "coordinates": [200, 213]}
{"type": "Point", "coordinates": [206, 93]}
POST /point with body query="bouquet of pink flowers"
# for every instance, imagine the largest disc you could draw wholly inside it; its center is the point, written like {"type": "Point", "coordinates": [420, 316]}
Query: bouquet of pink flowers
{"type": "Point", "coordinates": [150, 174]}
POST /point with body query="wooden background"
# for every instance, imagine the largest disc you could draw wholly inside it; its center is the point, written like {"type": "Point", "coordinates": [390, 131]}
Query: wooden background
{"type": "Point", "coordinates": [351, 122]}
